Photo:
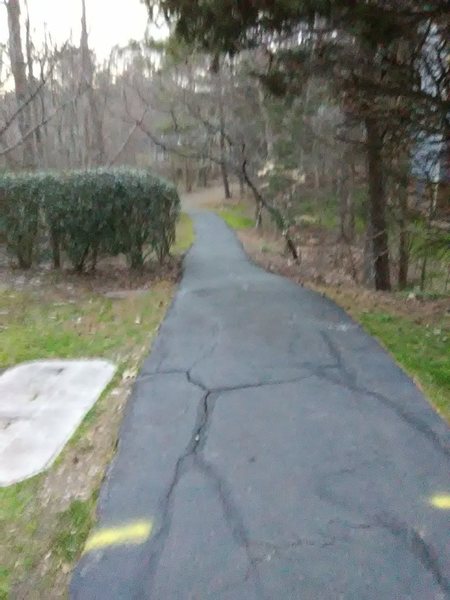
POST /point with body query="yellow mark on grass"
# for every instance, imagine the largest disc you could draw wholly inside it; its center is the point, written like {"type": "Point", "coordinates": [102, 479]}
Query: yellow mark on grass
{"type": "Point", "coordinates": [134, 533]}
{"type": "Point", "coordinates": [441, 501]}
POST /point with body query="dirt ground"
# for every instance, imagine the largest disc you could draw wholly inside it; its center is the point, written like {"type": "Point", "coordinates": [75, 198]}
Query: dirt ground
{"type": "Point", "coordinates": [327, 268]}
{"type": "Point", "coordinates": [203, 199]}
{"type": "Point", "coordinates": [76, 476]}
{"type": "Point", "coordinates": [41, 571]}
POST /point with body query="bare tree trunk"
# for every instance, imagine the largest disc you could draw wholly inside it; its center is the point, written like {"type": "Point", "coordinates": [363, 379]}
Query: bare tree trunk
{"type": "Point", "coordinates": [43, 150]}
{"type": "Point", "coordinates": [43, 105]}
{"type": "Point", "coordinates": [268, 137]}
{"type": "Point", "coordinates": [404, 241]}
{"type": "Point", "coordinates": [202, 175]}
{"type": "Point", "coordinates": [377, 204]}
{"type": "Point", "coordinates": [187, 177]}
{"type": "Point", "coordinates": [32, 82]}
{"type": "Point", "coordinates": [241, 186]}
{"type": "Point", "coordinates": [301, 161]}
{"type": "Point", "coordinates": [223, 166]}
{"type": "Point", "coordinates": [433, 194]}
{"type": "Point", "coordinates": [347, 213]}
{"type": "Point", "coordinates": [276, 215]}
{"type": "Point", "coordinates": [95, 137]}
{"type": "Point", "coordinates": [19, 71]}
{"type": "Point", "coordinates": [258, 214]}
{"type": "Point", "coordinates": [222, 140]}
{"type": "Point", "coordinates": [423, 273]}
{"type": "Point", "coordinates": [268, 134]}
{"type": "Point", "coordinates": [368, 265]}
{"type": "Point", "coordinates": [316, 177]}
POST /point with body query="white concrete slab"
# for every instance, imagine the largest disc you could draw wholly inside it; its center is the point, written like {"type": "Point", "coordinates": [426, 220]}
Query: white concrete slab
{"type": "Point", "coordinates": [41, 405]}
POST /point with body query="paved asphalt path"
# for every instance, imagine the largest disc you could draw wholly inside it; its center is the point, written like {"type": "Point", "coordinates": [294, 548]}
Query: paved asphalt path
{"type": "Point", "coordinates": [278, 450]}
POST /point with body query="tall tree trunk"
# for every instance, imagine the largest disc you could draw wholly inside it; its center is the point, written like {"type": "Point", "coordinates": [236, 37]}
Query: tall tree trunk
{"type": "Point", "coordinates": [95, 137]}
{"type": "Point", "coordinates": [433, 191]}
{"type": "Point", "coordinates": [19, 71]}
{"type": "Point", "coordinates": [258, 215]}
{"type": "Point", "coordinates": [316, 177]}
{"type": "Point", "coordinates": [403, 241]}
{"type": "Point", "coordinates": [241, 187]}
{"type": "Point", "coordinates": [377, 205]}
{"type": "Point", "coordinates": [368, 266]}
{"type": "Point", "coordinates": [32, 83]}
{"type": "Point", "coordinates": [222, 140]}
{"type": "Point", "coordinates": [273, 211]}
{"type": "Point", "coordinates": [268, 133]}
{"type": "Point", "coordinates": [223, 167]}
{"type": "Point", "coordinates": [187, 177]}
{"type": "Point", "coordinates": [315, 168]}
{"type": "Point", "coordinates": [347, 213]}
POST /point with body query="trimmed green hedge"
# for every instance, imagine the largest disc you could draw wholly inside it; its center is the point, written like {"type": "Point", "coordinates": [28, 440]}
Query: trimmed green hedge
{"type": "Point", "coordinates": [86, 214]}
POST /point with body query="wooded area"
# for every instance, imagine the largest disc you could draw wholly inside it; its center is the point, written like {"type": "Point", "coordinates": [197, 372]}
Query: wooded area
{"type": "Point", "coordinates": [345, 108]}
{"type": "Point", "coordinates": [319, 130]}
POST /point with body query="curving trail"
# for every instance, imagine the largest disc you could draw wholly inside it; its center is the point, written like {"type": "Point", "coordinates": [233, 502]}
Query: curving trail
{"type": "Point", "coordinates": [271, 450]}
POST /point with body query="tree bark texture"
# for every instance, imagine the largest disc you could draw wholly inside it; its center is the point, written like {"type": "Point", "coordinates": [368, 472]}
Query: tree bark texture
{"type": "Point", "coordinates": [377, 206]}
{"type": "Point", "coordinates": [19, 71]}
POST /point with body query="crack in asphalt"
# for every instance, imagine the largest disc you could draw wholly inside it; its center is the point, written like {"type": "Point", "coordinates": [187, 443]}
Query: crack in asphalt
{"type": "Point", "coordinates": [192, 459]}
{"type": "Point", "coordinates": [279, 549]}
{"type": "Point", "coordinates": [336, 354]}
{"type": "Point", "coordinates": [349, 382]}
{"type": "Point", "coordinates": [205, 334]}
{"type": "Point", "coordinates": [315, 371]}
{"type": "Point", "coordinates": [414, 422]}
{"type": "Point", "coordinates": [409, 536]}
{"type": "Point", "coordinates": [209, 350]}
{"type": "Point", "coordinates": [415, 543]}
{"type": "Point", "coordinates": [234, 521]}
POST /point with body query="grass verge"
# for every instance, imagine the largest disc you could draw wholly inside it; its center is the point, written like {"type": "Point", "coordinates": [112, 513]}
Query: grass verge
{"type": "Point", "coordinates": [185, 235]}
{"type": "Point", "coordinates": [44, 521]}
{"type": "Point", "coordinates": [236, 216]}
{"type": "Point", "coordinates": [422, 350]}
{"type": "Point", "coordinates": [420, 344]}
{"type": "Point", "coordinates": [415, 331]}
